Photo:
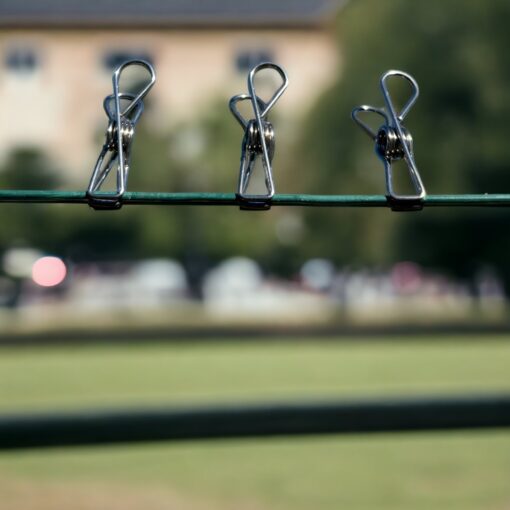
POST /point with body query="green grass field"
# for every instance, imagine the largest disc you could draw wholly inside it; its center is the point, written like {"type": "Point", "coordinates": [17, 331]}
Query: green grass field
{"type": "Point", "coordinates": [469, 470]}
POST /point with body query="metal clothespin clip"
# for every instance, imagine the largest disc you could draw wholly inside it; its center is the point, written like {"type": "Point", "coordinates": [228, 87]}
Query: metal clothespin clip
{"type": "Point", "coordinates": [259, 139]}
{"type": "Point", "coordinates": [116, 151]}
{"type": "Point", "coordinates": [393, 142]}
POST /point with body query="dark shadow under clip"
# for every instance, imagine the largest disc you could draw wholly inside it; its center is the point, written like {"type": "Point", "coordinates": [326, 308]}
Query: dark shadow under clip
{"type": "Point", "coordinates": [393, 142]}
{"type": "Point", "coordinates": [258, 141]}
{"type": "Point", "coordinates": [116, 151]}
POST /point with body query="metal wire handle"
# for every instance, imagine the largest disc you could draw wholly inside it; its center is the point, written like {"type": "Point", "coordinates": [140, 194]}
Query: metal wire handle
{"type": "Point", "coordinates": [120, 132]}
{"type": "Point", "coordinates": [258, 140]}
{"type": "Point", "coordinates": [393, 142]}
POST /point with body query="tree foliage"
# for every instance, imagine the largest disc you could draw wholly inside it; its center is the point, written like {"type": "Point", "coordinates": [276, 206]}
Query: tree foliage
{"type": "Point", "coordinates": [458, 52]}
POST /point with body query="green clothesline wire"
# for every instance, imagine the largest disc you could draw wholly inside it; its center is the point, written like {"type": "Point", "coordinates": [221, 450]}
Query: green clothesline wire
{"type": "Point", "coordinates": [229, 199]}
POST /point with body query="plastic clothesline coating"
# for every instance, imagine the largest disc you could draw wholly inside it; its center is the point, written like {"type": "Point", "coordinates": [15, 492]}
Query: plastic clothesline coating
{"type": "Point", "coordinates": [230, 199]}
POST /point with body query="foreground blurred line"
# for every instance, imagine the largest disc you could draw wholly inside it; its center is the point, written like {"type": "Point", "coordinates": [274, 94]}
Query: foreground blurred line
{"type": "Point", "coordinates": [263, 420]}
{"type": "Point", "coordinates": [407, 333]}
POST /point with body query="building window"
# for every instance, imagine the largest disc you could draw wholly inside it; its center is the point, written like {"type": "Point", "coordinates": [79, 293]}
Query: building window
{"type": "Point", "coordinates": [114, 59]}
{"type": "Point", "coordinates": [247, 60]}
{"type": "Point", "coordinates": [23, 61]}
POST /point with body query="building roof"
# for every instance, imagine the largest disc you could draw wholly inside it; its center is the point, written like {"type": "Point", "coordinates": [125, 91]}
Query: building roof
{"type": "Point", "coordinates": [166, 13]}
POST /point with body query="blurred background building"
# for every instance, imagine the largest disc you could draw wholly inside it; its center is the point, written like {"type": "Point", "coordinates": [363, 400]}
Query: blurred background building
{"type": "Point", "coordinates": [58, 58]}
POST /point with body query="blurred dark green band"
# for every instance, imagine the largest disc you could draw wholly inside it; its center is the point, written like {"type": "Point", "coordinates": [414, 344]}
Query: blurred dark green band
{"type": "Point", "coordinates": [156, 198]}
{"type": "Point", "coordinates": [285, 419]}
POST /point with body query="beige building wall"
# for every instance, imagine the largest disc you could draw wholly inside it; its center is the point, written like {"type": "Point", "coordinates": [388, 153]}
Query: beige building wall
{"type": "Point", "coordinates": [59, 106]}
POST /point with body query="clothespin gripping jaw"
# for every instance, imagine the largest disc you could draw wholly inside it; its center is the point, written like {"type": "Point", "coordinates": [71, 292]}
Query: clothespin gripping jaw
{"type": "Point", "coordinates": [258, 140]}
{"type": "Point", "coordinates": [394, 142]}
{"type": "Point", "coordinates": [116, 151]}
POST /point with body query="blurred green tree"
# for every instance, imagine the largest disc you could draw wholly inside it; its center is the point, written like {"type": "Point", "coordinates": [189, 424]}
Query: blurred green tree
{"type": "Point", "coordinates": [28, 168]}
{"type": "Point", "coordinates": [67, 231]}
{"type": "Point", "coordinates": [458, 52]}
{"type": "Point", "coordinates": [30, 225]}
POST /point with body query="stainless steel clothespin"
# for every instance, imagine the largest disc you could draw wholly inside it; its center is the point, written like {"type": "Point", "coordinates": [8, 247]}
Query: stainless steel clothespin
{"type": "Point", "coordinates": [116, 151]}
{"type": "Point", "coordinates": [259, 139]}
{"type": "Point", "coordinates": [394, 142]}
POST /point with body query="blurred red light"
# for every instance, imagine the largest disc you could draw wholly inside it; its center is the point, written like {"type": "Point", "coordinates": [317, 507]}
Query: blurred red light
{"type": "Point", "coordinates": [49, 271]}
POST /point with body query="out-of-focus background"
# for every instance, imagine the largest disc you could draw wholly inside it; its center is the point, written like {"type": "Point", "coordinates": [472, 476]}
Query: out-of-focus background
{"type": "Point", "coordinates": [336, 279]}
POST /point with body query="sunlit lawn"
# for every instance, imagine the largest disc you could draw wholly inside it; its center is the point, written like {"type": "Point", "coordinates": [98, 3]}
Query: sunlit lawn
{"type": "Point", "coordinates": [411, 471]}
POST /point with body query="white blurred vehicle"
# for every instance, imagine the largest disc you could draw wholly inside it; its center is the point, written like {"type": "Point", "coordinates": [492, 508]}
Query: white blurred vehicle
{"type": "Point", "coordinates": [237, 289]}
{"type": "Point", "coordinates": [147, 284]}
